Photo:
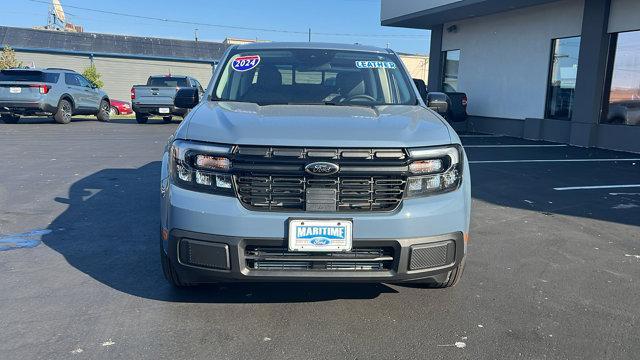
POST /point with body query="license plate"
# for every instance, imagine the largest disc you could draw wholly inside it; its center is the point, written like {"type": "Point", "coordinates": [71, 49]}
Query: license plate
{"type": "Point", "coordinates": [15, 90]}
{"type": "Point", "coordinates": [320, 235]}
{"type": "Point", "coordinates": [163, 110]}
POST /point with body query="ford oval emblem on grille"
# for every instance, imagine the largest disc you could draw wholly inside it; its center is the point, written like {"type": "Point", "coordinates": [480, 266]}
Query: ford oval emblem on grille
{"type": "Point", "coordinates": [322, 168]}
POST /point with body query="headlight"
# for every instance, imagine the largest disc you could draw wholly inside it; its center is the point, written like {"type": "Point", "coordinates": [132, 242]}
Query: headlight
{"type": "Point", "coordinates": [434, 171]}
{"type": "Point", "coordinates": [201, 167]}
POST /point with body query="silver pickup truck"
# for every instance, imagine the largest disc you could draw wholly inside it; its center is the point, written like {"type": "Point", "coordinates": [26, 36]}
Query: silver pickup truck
{"type": "Point", "coordinates": [156, 97]}
{"type": "Point", "coordinates": [313, 162]}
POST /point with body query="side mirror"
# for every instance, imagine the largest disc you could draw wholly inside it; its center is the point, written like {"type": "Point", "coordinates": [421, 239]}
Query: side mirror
{"type": "Point", "coordinates": [186, 98]}
{"type": "Point", "coordinates": [439, 102]}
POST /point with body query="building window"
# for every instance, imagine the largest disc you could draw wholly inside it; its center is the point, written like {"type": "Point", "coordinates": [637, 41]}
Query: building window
{"type": "Point", "coordinates": [562, 78]}
{"type": "Point", "coordinates": [450, 70]}
{"type": "Point", "coordinates": [622, 105]}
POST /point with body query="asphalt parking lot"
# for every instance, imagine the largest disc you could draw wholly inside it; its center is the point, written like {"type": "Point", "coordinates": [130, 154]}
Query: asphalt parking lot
{"type": "Point", "coordinates": [552, 270]}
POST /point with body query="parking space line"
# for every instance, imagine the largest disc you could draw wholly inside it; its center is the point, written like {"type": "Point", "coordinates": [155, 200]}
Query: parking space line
{"type": "Point", "coordinates": [515, 146]}
{"type": "Point", "coordinates": [596, 187]}
{"type": "Point", "coordinates": [549, 160]}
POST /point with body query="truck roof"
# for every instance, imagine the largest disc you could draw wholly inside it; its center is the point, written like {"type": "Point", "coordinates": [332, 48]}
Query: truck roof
{"type": "Point", "coordinates": [169, 75]}
{"type": "Point", "coordinates": [310, 45]}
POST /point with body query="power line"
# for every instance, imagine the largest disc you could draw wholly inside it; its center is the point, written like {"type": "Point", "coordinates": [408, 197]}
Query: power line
{"type": "Point", "coordinates": [192, 23]}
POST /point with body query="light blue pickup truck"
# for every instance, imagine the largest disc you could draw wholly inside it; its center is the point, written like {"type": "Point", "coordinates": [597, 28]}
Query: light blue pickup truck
{"type": "Point", "coordinates": [313, 162]}
{"type": "Point", "coordinates": [156, 97]}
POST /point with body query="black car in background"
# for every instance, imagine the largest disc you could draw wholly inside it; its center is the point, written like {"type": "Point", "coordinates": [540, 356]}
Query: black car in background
{"type": "Point", "coordinates": [457, 102]}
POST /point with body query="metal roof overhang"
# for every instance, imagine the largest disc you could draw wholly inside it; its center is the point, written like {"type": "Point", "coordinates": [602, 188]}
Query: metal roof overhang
{"type": "Point", "coordinates": [459, 10]}
{"type": "Point", "coordinates": [112, 55]}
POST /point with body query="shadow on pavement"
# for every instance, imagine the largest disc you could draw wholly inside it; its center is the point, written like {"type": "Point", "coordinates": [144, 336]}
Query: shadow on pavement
{"type": "Point", "coordinates": [110, 231]}
{"type": "Point", "coordinates": [531, 187]}
{"type": "Point", "coordinates": [152, 121]}
{"type": "Point", "coordinates": [49, 120]}
{"type": "Point", "coordinates": [82, 119]}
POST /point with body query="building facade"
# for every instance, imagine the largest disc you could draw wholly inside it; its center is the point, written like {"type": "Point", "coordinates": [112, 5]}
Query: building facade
{"type": "Point", "coordinates": [123, 61]}
{"type": "Point", "coordinates": [416, 64]}
{"type": "Point", "coordinates": [565, 71]}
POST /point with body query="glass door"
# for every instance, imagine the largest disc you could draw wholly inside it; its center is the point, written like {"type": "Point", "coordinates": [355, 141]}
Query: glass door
{"type": "Point", "coordinates": [562, 78]}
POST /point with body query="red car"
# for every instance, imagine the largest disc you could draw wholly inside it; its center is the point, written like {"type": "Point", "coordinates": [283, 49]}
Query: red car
{"type": "Point", "coordinates": [120, 108]}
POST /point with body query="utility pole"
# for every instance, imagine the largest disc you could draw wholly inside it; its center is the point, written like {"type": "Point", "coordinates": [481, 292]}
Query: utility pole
{"type": "Point", "coordinates": [309, 34]}
{"type": "Point", "coordinates": [195, 34]}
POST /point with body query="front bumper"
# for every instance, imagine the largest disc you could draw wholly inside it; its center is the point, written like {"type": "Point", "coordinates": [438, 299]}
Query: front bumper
{"type": "Point", "coordinates": [232, 229]}
{"type": "Point", "coordinates": [232, 260]}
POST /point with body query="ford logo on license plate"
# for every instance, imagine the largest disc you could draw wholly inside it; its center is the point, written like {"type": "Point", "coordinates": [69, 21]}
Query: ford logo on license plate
{"type": "Point", "coordinates": [320, 235]}
{"type": "Point", "coordinates": [322, 168]}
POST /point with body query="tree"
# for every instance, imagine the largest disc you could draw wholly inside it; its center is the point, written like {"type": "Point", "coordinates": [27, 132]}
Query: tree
{"type": "Point", "coordinates": [8, 59]}
{"type": "Point", "coordinates": [92, 74]}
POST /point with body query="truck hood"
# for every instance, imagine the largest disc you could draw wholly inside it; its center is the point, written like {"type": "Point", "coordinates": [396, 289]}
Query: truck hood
{"type": "Point", "coordinates": [315, 125]}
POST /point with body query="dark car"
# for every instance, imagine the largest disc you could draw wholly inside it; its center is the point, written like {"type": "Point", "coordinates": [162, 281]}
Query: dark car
{"type": "Point", "coordinates": [625, 112]}
{"type": "Point", "coordinates": [457, 101]}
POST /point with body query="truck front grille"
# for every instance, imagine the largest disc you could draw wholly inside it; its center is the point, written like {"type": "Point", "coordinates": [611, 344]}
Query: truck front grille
{"type": "Point", "coordinates": [274, 179]}
{"type": "Point", "coordinates": [275, 258]}
{"type": "Point", "coordinates": [371, 193]}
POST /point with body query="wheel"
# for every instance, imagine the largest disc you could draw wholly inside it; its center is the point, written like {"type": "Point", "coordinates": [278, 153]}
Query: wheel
{"type": "Point", "coordinates": [167, 119]}
{"type": "Point", "coordinates": [104, 111]}
{"type": "Point", "coordinates": [169, 272]}
{"type": "Point", "coordinates": [113, 111]}
{"type": "Point", "coordinates": [142, 118]}
{"type": "Point", "coordinates": [452, 280]}
{"type": "Point", "coordinates": [64, 112]}
{"type": "Point", "coordinates": [10, 119]}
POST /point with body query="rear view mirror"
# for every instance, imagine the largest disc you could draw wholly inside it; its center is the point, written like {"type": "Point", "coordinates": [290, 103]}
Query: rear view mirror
{"type": "Point", "coordinates": [186, 98]}
{"type": "Point", "coordinates": [439, 102]}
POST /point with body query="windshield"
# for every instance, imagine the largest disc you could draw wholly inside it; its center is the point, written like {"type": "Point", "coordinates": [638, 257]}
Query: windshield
{"type": "Point", "coordinates": [168, 81]}
{"type": "Point", "coordinates": [314, 76]}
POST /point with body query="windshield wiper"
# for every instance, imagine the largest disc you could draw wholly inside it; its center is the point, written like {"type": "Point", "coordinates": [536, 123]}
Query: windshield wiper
{"type": "Point", "coordinates": [333, 103]}
{"type": "Point", "coordinates": [369, 106]}
{"type": "Point", "coordinates": [313, 103]}
{"type": "Point", "coordinates": [213, 98]}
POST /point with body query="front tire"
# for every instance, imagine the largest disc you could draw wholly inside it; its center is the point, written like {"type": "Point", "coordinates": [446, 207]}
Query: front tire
{"type": "Point", "coordinates": [64, 112]}
{"type": "Point", "coordinates": [104, 111]}
{"type": "Point", "coordinates": [113, 111]}
{"type": "Point", "coordinates": [10, 119]}
{"type": "Point", "coordinates": [169, 272]}
{"type": "Point", "coordinates": [142, 118]}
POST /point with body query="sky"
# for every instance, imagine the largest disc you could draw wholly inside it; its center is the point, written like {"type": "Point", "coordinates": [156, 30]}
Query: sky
{"type": "Point", "coordinates": [290, 19]}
